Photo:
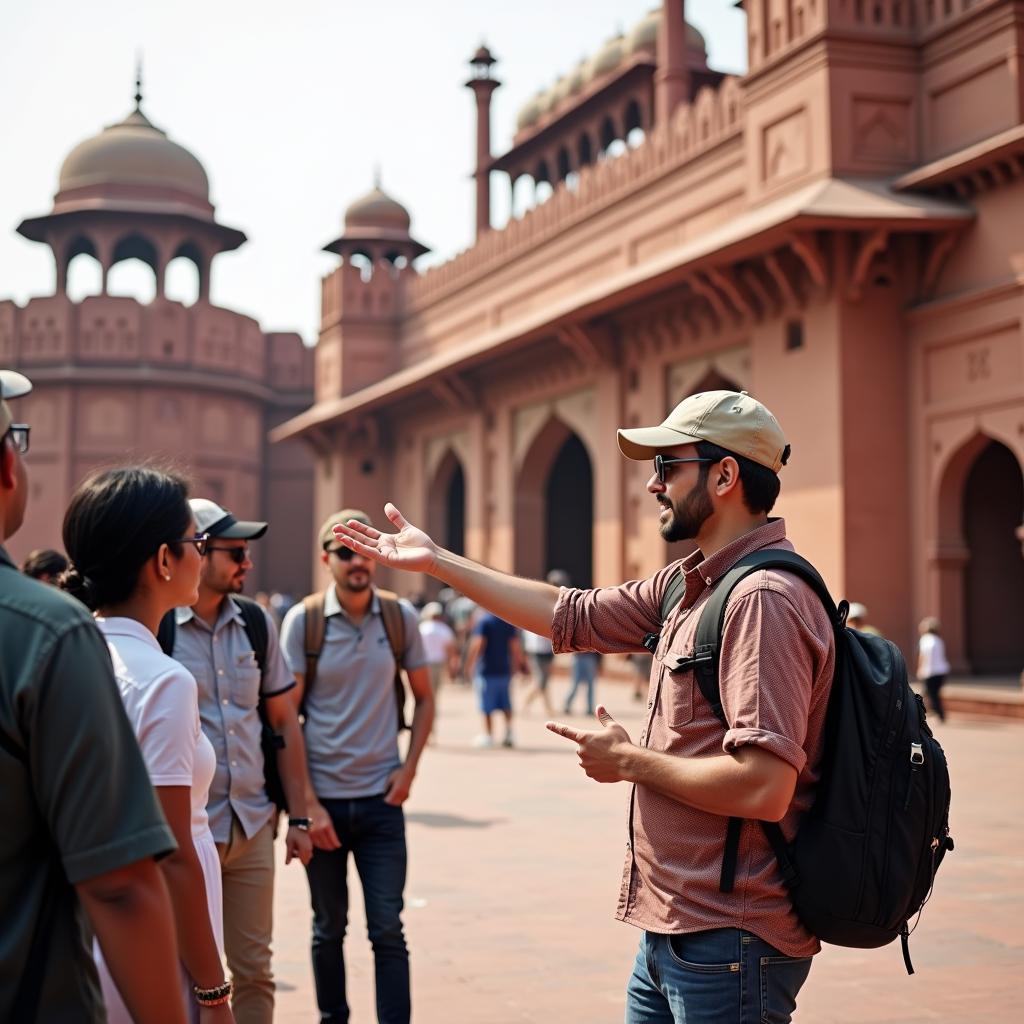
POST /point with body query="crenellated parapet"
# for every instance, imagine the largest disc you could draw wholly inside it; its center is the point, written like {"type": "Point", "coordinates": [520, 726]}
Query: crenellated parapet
{"type": "Point", "coordinates": [114, 331]}
{"type": "Point", "coordinates": [715, 116]}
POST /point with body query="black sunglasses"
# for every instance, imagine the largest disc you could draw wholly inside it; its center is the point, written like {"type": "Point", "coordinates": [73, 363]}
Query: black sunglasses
{"type": "Point", "coordinates": [342, 553]}
{"type": "Point", "coordinates": [237, 555]}
{"type": "Point", "coordinates": [19, 435]}
{"type": "Point", "coordinates": [201, 541]}
{"type": "Point", "coordinates": [662, 463]}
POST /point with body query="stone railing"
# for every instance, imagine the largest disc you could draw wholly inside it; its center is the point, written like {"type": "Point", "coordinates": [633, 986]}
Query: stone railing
{"type": "Point", "coordinates": [714, 116]}
{"type": "Point", "coordinates": [107, 330]}
{"type": "Point", "coordinates": [775, 27]}
{"type": "Point", "coordinates": [915, 17]}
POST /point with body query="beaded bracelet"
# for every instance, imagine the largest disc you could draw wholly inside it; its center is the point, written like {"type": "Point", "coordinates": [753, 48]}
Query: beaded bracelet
{"type": "Point", "coordinates": [212, 996]}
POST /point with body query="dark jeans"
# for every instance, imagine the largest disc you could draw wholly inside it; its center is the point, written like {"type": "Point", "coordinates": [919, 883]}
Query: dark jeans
{"type": "Point", "coordinates": [374, 832]}
{"type": "Point", "coordinates": [723, 976]}
{"type": "Point", "coordinates": [933, 684]}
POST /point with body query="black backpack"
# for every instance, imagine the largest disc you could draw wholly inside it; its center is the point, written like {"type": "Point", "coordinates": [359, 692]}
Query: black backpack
{"type": "Point", "coordinates": [865, 856]}
{"type": "Point", "coordinates": [255, 623]}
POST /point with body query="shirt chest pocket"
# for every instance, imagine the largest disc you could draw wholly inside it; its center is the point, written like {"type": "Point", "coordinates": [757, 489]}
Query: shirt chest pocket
{"type": "Point", "coordinates": [245, 684]}
{"type": "Point", "coordinates": [677, 691]}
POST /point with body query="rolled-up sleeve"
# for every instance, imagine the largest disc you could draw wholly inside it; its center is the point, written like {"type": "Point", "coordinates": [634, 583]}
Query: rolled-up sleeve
{"type": "Point", "coordinates": [613, 620]}
{"type": "Point", "coordinates": [771, 656]}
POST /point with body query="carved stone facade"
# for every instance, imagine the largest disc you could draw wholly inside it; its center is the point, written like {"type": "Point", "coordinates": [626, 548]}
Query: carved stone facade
{"type": "Point", "coordinates": [838, 232]}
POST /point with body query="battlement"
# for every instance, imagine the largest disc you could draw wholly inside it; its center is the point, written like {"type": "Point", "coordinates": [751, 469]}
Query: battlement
{"type": "Point", "coordinates": [372, 292]}
{"type": "Point", "coordinates": [715, 116]}
{"type": "Point", "coordinates": [776, 27]}
{"type": "Point", "coordinates": [107, 330]}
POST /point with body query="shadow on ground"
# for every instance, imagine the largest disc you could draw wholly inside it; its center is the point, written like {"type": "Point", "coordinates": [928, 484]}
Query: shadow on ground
{"type": "Point", "coordinates": [434, 820]}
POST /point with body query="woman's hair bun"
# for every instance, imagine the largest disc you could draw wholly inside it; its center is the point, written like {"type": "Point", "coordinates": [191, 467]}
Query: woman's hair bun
{"type": "Point", "coordinates": [76, 584]}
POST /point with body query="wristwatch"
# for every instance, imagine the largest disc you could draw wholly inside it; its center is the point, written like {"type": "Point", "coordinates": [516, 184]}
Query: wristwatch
{"type": "Point", "coordinates": [301, 823]}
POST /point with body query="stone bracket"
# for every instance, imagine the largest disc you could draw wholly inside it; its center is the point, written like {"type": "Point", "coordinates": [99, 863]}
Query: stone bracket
{"type": "Point", "coordinates": [585, 343]}
{"type": "Point", "coordinates": [805, 245]}
{"type": "Point", "coordinates": [870, 246]}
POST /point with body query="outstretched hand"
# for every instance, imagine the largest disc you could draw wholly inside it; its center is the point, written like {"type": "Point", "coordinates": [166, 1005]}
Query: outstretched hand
{"type": "Point", "coordinates": [603, 753]}
{"type": "Point", "coordinates": [410, 548]}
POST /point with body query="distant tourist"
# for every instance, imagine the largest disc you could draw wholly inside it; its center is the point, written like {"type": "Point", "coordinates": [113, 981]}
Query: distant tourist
{"type": "Point", "coordinates": [857, 618]}
{"type": "Point", "coordinates": [45, 565]}
{"type": "Point", "coordinates": [438, 647]}
{"type": "Point", "coordinates": [77, 835]}
{"type": "Point", "coordinates": [932, 666]}
{"type": "Point", "coordinates": [493, 657]}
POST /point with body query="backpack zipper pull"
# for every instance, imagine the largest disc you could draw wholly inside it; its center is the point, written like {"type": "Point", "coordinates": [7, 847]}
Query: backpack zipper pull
{"type": "Point", "coordinates": [916, 754]}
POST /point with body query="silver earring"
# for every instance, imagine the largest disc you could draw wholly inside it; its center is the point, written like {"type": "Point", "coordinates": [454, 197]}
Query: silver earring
{"type": "Point", "coordinates": [167, 576]}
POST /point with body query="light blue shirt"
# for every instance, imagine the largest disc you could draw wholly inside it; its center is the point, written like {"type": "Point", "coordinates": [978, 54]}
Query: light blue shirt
{"type": "Point", "coordinates": [351, 726]}
{"type": "Point", "coordinates": [224, 664]}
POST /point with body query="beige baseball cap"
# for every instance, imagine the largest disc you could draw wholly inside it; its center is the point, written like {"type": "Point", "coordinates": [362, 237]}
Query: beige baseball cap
{"type": "Point", "coordinates": [12, 385]}
{"type": "Point", "coordinates": [326, 538]}
{"type": "Point", "coordinates": [730, 419]}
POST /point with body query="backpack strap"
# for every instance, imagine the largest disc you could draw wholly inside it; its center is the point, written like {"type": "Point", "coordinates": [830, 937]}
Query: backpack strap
{"type": "Point", "coordinates": [707, 643]}
{"type": "Point", "coordinates": [166, 633]}
{"type": "Point", "coordinates": [394, 627]}
{"type": "Point", "coordinates": [316, 628]}
{"type": "Point", "coordinates": [705, 662]}
{"type": "Point", "coordinates": [673, 593]}
{"type": "Point", "coordinates": [672, 596]}
{"type": "Point", "coordinates": [255, 623]}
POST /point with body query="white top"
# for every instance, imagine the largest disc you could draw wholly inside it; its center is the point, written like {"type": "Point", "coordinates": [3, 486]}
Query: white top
{"type": "Point", "coordinates": [931, 656]}
{"type": "Point", "coordinates": [436, 636]}
{"type": "Point", "coordinates": [534, 643]}
{"type": "Point", "coordinates": [162, 702]}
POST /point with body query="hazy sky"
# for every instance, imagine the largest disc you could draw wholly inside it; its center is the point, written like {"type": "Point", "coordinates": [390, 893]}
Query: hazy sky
{"type": "Point", "coordinates": [289, 108]}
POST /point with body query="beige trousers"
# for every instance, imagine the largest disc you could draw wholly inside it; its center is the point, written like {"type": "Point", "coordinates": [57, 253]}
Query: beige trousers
{"type": "Point", "coordinates": [247, 873]}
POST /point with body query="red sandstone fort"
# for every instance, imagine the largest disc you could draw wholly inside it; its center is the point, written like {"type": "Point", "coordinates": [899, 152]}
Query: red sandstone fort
{"type": "Point", "coordinates": [837, 231]}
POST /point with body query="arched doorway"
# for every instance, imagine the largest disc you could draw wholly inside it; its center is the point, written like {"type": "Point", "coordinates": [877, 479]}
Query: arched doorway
{"type": "Point", "coordinates": [554, 506]}
{"type": "Point", "coordinates": [993, 579]}
{"type": "Point", "coordinates": [569, 514]}
{"type": "Point", "coordinates": [446, 504]}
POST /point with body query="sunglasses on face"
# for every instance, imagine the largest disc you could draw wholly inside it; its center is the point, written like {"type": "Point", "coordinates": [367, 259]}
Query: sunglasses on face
{"type": "Point", "coordinates": [343, 554]}
{"type": "Point", "coordinates": [237, 555]}
{"type": "Point", "coordinates": [19, 436]}
{"type": "Point", "coordinates": [201, 541]}
{"type": "Point", "coordinates": [663, 462]}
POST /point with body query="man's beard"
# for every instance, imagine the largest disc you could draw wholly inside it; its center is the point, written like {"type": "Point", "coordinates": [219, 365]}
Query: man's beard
{"type": "Point", "coordinates": [689, 516]}
{"type": "Point", "coordinates": [358, 586]}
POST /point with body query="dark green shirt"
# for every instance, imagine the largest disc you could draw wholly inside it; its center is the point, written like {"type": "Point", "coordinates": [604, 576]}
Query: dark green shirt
{"type": "Point", "coordinates": [75, 798]}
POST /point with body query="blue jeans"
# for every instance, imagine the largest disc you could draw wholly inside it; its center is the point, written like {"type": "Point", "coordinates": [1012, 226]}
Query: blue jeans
{"type": "Point", "coordinates": [723, 976]}
{"type": "Point", "coordinates": [584, 673]}
{"type": "Point", "coordinates": [374, 832]}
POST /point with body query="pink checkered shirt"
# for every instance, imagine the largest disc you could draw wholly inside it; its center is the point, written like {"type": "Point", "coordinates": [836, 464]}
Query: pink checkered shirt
{"type": "Point", "coordinates": [777, 659]}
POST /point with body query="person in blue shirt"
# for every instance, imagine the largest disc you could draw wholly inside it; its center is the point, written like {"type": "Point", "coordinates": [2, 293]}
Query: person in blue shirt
{"type": "Point", "coordinates": [494, 653]}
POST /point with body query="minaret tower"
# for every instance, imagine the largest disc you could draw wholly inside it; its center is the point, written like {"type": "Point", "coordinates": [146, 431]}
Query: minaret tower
{"type": "Point", "coordinates": [672, 79]}
{"type": "Point", "coordinates": [483, 85]}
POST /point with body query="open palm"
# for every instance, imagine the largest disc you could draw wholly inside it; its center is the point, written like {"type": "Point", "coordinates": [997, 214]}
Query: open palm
{"type": "Point", "coordinates": [410, 548]}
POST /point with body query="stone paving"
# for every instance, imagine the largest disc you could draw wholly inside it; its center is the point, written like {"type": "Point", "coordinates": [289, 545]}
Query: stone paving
{"type": "Point", "coordinates": [514, 866]}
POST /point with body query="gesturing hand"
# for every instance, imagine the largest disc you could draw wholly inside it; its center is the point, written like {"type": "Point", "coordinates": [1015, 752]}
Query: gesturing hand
{"type": "Point", "coordinates": [410, 549]}
{"type": "Point", "coordinates": [604, 753]}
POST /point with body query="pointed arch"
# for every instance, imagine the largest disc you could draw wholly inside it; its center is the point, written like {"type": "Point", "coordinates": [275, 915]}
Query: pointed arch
{"type": "Point", "coordinates": [446, 503]}
{"type": "Point", "coordinates": [554, 504]}
{"type": "Point", "coordinates": [977, 562]}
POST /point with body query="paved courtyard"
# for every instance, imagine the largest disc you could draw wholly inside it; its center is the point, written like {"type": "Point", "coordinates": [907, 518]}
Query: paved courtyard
{"type": "Point", "coordinates": [514, 865]}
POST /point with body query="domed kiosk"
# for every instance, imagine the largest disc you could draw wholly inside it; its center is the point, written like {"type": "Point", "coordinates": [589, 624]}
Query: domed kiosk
{"type": "Point", "coordinates": [130, 192]}
{"type": "Point", "coordinates": [377, 227]}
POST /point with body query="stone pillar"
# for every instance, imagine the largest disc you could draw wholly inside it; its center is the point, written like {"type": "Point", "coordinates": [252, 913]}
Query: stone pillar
{"type": "Point", "coordinates": [483, 85]}
{"type": "Point", "coordinates": [672, 78]}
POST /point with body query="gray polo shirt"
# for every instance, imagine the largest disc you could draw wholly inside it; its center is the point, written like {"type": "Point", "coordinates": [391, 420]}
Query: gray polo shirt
{"type": "Point", "coordinates": [351, 714]}
{"type": "Point", "coordinates": [224, 664]}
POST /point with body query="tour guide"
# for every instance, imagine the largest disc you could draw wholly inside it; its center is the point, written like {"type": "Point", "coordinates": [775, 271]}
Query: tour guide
{"type": "Point", "coordinates": [705, 955]}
